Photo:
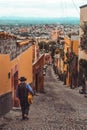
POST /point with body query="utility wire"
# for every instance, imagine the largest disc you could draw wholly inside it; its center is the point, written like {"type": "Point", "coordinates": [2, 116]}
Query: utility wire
{"type": "Point", "coordinates": [74, 3]}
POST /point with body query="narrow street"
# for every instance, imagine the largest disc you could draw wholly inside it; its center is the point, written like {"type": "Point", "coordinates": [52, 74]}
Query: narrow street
{"type": "Point", "coordinates": [57, 108]}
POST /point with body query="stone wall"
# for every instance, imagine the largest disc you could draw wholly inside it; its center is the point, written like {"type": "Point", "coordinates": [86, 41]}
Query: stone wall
{"type": "Point", "coordinates": [5, 103]}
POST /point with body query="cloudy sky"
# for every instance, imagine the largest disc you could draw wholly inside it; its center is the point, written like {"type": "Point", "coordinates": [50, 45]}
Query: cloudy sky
{"type": "Point", "coordinates": [41, 8]}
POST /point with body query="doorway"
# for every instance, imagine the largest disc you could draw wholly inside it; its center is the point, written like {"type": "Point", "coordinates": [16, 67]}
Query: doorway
{"type": "Point", "coordinates": [15, 100]}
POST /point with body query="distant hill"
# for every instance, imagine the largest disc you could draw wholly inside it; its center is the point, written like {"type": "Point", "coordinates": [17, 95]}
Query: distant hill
{"type": "Point", "coordinates": [33, 20]}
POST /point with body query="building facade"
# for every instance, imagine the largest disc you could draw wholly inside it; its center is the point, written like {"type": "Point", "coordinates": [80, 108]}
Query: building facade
{"type": "Point", "coordinates": [71, 60]}
{"type": "Point", "coordinates": [18, 57]}
{"type": "Point", "coordinates": [83, 18]}
{"type": "Point", "coordinates": [83, 45]}
{"type": "Point", "coordinates": [15, 61]}
{"type": "Point", "coordinates": [38, 78]}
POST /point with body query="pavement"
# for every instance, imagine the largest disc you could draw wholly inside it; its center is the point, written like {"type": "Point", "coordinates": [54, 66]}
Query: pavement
{"type": "Point", "coordinates": [57, 108]}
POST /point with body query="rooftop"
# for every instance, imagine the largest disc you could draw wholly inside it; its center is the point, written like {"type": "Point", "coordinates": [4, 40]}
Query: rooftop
{"type": "Point", "coordinates": [25, 42]}
{"type": "Point", "coordinates": [83, 6]}
{"type": "Point", "coordinates": [6, 34]}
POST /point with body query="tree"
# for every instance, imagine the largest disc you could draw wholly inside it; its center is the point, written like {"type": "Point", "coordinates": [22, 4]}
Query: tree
{"type": "Point", "coordinates": [41, 45]}
{"type": "Point", "coordinates": [83, 66]}
{"type": "Point", "coordinates": [83, 43]}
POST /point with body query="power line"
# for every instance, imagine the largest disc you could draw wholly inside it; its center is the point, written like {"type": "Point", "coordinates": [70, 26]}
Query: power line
{"type": "Point", "coordinates": [74, 3]}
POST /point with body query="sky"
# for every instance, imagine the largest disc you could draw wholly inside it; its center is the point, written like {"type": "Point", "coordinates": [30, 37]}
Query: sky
{"type": "Point", "coordinates": [41, 8]}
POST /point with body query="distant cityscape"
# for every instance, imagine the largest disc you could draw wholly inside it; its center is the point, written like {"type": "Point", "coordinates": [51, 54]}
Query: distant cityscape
{"type": "Point", "coordinates": [34, 28]}
{"type": "Point", "coordinates": [51, 53]}
{"type": "Point", "coordinates": [36, 20]}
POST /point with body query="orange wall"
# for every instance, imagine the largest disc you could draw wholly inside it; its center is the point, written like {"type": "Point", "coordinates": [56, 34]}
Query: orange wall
{"type": "Point", "coordinates": [25, 68]}
{"type": "Point", "coordinates": [67, 45]}
{"type": "Point", "coordinates": [5, 68]}
{"type": "Point", "coordinates": [24, 64]}
{"type": "Point", "coordinates": [67, 41]}
{"type": "Point", "coordinates": [75, 47]}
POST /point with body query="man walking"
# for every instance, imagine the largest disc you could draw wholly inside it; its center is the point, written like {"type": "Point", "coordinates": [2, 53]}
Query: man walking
{"type": "Point", "coordinates": [22, 93]}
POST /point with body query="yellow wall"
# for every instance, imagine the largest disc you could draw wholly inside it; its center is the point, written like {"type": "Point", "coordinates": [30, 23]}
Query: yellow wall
{"type": "Point", "coordinates": [68, 43]}
{"type": "Point", "coordinates": [22, 66]}
{"type": "Point", "coordinates": [5, 68]}
{"type": "Point", "coordinates": [14, 62]}
{"type": "Point", "coordinates": [25, 68]}
{"type": "Point", "coordinates": [75, 46]}
{"type": "Point", "coordinates": [60, 64]}
{"type": "Point", "coordinates": [24, 63]}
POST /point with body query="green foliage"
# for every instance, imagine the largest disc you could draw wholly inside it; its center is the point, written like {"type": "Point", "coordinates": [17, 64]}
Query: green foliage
{"type": "Point", "coordinates": [69, 57]}
{"type": "Point", "coordinates": [62, 54]}
{"type": "Point", "coordinates": [41, 45]}
{"type": "Point", "coordinates": [83, 63]}
{"type": "Point", "coordinates": [83, 66]}
{"type": "Point", "coordinates": [83, 43]}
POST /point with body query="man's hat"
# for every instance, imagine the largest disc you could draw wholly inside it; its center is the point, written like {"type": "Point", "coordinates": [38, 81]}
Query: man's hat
{"type": "Point", "coordinates": [22, 79]}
